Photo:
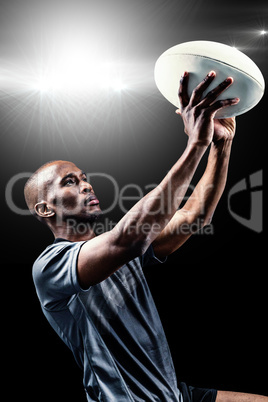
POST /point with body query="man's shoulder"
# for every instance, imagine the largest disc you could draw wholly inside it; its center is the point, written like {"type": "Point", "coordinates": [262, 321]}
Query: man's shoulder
{"type": "Point", "coordinates": [54, 272]}
{"type": "Point", "coordinates": [55, 249]}
{"type": "Point", "coordinates": [60, 252]}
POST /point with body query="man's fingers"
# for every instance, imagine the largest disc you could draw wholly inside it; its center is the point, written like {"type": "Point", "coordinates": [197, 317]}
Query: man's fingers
{"type": "Point", "coordinates": [183, 90]}
{"type": "Point", "coordinates": [199, 90]}
{"type": "Point", "coordinates": [222, 104]}
{"type": "Point", "coordinates": [209, 103]}
{"type": "Point", "coordinates": [213, 95]}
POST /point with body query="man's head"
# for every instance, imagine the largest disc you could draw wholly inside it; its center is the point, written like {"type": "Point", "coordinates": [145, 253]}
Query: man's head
{"type": "Point", "coordinates": [59, 191]}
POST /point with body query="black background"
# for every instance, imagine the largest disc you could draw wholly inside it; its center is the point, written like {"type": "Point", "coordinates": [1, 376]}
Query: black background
{"type": "Point", "coordinates": [211, 294]}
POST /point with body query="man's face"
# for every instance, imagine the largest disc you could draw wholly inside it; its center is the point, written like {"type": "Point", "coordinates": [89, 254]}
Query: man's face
{"type": "Point", "coordinates": [70, 195]}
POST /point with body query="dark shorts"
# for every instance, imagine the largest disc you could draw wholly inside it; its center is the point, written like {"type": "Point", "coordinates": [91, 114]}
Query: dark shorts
{"type": "Point", "coordinates": [193, 394]}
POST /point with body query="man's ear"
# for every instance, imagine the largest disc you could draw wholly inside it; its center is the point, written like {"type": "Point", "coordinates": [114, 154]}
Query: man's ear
{"type": "Point", "coordinates": [43, 210]}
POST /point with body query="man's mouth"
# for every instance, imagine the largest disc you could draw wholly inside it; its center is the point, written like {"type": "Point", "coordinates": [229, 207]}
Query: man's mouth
{"type": "Point", "coordinates": [92, 200]}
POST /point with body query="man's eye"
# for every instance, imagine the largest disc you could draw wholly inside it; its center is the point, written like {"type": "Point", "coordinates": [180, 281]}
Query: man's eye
{"type": "Point", "coordinates": [69, 182]}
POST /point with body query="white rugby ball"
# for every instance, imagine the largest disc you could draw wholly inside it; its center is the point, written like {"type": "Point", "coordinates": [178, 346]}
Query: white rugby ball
{"type": "Point", "coordinates": [199, 58]}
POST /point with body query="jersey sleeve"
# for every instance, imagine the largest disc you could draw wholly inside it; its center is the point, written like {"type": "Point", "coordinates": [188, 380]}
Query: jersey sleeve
{"type": "Point", "coordinates": [149, 258]}
{"type": "Point", "coordinates": [55, 275]}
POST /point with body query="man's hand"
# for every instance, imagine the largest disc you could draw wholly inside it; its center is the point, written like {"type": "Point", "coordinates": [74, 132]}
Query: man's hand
{"type": "Point", "coordinates": [198, 114]}
{"type": "Point", "coordinates": [224, 129]}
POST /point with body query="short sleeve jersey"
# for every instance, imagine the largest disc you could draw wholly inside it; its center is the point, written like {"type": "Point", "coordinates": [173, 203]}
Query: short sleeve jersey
{"type": "Point", "coordinates": [112, 328]}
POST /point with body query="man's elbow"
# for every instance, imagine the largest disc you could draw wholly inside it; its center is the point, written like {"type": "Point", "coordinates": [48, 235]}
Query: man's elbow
{"type": "Point", "coordinates": [207, 220]}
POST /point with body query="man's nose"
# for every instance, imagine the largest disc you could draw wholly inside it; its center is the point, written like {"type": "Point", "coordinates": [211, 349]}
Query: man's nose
{"type": "Point", "coordinates": [86, 187]}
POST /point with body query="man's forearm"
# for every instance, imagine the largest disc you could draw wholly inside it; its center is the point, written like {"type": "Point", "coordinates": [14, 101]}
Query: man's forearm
{"type": "Point", "coordinates": [146, 220]}
{"type": "Point", "coordinates": [208, 191]}
{"type": "Point", "coordinates": [198, 210]}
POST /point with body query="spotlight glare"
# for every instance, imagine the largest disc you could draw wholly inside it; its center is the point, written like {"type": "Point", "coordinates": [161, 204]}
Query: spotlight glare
{"type": "Point", "coordinates": [117, 86]}
{"type": "Point", "coordinates": [80, 74]}
{"type": "Point", "coordinates": [263, 32]}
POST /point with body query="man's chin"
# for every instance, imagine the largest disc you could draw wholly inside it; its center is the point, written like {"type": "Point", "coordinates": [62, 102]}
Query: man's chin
{"type": "Point", "coordinates": [85, 219]}
{"type": "Point", "coordinates": [89, 217]}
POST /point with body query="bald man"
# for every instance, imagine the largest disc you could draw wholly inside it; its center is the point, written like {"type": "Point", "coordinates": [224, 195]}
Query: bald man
{"type": "Point", "coordinates": [92, 288]}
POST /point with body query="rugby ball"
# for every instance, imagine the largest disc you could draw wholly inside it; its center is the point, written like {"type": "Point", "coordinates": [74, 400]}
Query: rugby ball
{"type": "Point", "coordinates": [201, 57]}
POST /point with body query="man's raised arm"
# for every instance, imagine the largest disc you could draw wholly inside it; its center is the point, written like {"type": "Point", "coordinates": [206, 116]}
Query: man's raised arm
{"type": "Point", "coordinates": [103, 255]}
{"type": "Point", "coordinates": [200, 206]}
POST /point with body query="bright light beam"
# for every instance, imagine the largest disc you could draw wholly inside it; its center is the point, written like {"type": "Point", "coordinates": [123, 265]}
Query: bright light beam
{"type": "Point", "coordinates": [81, 77]}
{"type": "Point", "coordinates": [75, 71]}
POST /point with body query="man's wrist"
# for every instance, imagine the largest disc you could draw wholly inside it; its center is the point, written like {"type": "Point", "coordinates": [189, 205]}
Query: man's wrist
{"type": "Point", "coordinates": [223, 142]}
{"type": "Point", "coordinates": [198, 144]}
{"type": "Point", "coordinates": [222, 147]}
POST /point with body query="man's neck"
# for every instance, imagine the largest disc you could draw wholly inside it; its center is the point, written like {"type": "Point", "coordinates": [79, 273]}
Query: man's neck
{"type": "Point", "coordinates": [74, 233]}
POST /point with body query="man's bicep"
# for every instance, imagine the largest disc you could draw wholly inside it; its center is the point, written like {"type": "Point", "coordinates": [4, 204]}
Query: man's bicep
{"type": "Point", "coordinates": [99, 258]}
